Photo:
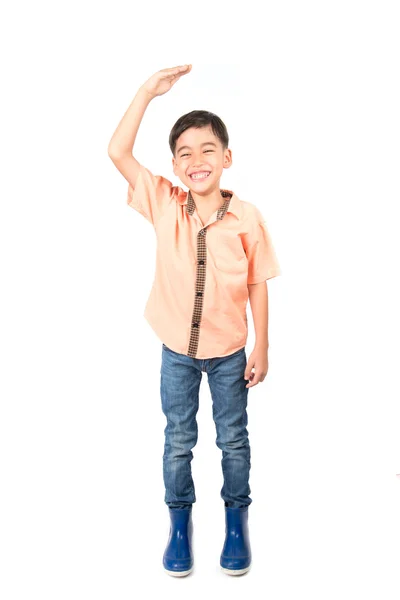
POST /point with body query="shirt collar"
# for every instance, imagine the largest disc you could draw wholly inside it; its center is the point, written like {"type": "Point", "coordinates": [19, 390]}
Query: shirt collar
{"type": "Point", "coordinates": [231, 203]}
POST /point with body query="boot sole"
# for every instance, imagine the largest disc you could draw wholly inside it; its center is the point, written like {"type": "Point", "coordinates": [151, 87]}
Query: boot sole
{"type": "Point", "coordinates": [235, 571]}
{"type": "Point", "coordinates": [178, 573]}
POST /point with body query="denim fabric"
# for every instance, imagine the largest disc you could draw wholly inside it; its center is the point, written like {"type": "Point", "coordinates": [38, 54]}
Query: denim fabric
{"type": "Point", "coordinates": [179, 386]}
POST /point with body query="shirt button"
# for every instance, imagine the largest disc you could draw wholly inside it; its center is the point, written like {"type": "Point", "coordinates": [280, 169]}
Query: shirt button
{"type": "Point", "coordinates": [199, 293]}
{"type": "Point", "coordinates": [195, 324]}
{"type": "Point", "coordinates": [201, 262]}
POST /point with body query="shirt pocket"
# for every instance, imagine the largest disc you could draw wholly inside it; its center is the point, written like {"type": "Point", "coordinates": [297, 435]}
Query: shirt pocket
{"type": "Point", "coordinates": [230, 256]}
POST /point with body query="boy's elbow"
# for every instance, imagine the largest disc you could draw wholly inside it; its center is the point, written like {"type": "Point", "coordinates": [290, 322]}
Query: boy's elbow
{"type": "Point", "coordinates": [113, 153]}
{"type": "Point", "coordinates": [116, 152]}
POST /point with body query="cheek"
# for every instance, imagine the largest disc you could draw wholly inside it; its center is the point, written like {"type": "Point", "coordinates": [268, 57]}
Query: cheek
{"type": "Point", "coordinates": [180, 169]}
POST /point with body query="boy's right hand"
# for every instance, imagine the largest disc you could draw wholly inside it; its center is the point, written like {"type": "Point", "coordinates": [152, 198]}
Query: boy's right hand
{"type": "Point", "coordinates": [162, 81]}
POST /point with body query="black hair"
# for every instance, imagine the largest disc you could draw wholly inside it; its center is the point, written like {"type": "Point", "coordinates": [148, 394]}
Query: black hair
{"type": "Point", "coordinates": [198, 119]}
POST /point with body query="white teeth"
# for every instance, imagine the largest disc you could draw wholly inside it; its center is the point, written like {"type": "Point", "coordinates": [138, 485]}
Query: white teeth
{"type": "Point", "coordinates": [199, 176]}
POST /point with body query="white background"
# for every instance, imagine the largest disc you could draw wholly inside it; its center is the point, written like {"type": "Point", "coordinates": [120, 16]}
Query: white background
{"type": "Point", "coordinates": [309, 92]}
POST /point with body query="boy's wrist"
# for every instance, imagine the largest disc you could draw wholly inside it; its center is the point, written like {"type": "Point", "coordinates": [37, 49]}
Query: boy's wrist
{"type": "Point", "coordinates": [263, 346]}
{"type": "Point", "coordinates": [145, 93]}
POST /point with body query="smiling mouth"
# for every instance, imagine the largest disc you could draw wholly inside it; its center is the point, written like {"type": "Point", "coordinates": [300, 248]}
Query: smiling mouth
{"type": "Point", "coordinates": [199, 176]}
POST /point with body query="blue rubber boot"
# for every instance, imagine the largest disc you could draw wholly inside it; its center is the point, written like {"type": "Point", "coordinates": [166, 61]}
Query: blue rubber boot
{"type": "Point", "coordinates": [236, 553]}
{"type": "Point", "coordinates": [178, 555]}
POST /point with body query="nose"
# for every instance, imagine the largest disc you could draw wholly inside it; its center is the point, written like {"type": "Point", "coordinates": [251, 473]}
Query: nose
{"type": "Point", "coordinates": [197, 161]}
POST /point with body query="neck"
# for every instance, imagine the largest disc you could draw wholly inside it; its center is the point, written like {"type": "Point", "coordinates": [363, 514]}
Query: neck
{"type": "Point", "coordinates": [210, 198]}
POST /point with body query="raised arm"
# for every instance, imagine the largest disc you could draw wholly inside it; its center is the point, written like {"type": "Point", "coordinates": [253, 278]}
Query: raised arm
{"type": "Point", "coordinates": [122, 142]}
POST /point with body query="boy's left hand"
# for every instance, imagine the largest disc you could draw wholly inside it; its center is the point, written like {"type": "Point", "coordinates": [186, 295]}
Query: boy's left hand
{"type": "Point", "coordinates": [259, 360]}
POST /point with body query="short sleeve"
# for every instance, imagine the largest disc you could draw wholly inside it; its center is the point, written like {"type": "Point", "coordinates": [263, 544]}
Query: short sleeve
{"type": "Point", "coordinates": [261, 257]}
{"type": "Point", "coordinates": [151, 195]}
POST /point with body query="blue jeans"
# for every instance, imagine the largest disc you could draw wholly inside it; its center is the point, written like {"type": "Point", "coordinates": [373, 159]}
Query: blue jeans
{"type": "Point", "coordinates": [179, 386]}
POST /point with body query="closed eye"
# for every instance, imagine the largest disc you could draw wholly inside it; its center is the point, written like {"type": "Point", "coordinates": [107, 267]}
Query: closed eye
{"type": "Point", "coordinates": [182, 155]}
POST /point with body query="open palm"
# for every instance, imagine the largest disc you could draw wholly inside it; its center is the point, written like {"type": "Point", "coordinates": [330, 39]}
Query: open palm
{"type": "Point", "coordinates": [162, 81]}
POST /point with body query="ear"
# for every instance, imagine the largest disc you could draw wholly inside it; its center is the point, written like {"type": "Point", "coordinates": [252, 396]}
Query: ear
{"type": "Point", "coordinates": [227, 158]}
{"type": "Point", "coordinates": [174, 165]}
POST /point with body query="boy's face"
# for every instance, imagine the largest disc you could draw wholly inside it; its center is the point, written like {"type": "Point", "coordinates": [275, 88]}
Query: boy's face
{"type": "Point", "coordinates": [199, 150]}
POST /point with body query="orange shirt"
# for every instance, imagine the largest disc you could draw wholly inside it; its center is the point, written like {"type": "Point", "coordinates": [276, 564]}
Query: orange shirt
{"type": "Point", "coordinates": [197, 304]}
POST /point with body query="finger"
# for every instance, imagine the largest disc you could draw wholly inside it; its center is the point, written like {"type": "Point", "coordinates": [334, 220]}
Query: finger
{"type": "Point", "coordinates": [169, 70]}
{"type": "Point", "coordinates": [248, 373]}
{"type": "Point", "coordinates": [178, 69]}
{"type": "Point", "coordinates": [172, 76]}
{"type": "Point", "coordinates": [253, 382]}
{"type": "Point", "coordinates": [180, 72]}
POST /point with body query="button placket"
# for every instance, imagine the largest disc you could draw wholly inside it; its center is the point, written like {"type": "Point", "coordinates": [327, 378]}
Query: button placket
{"type": "Point", "coordinates": [201, 273]}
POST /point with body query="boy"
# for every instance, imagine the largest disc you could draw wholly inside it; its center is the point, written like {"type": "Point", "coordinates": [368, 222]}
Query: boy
{"type": "Point", "coordinates": [213, 254]}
